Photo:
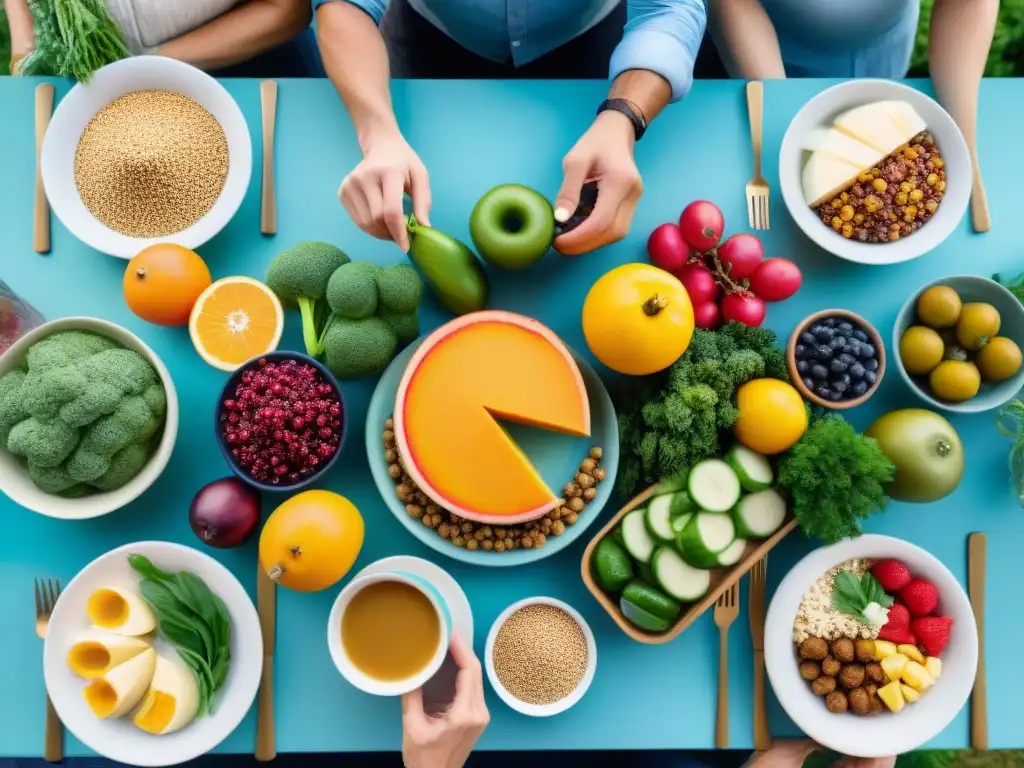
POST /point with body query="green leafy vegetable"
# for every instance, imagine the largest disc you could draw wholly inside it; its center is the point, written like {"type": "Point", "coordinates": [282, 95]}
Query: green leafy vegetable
{"type": "Point", "coordinates": [74, 38]}
{"type": "Point", "coordinates": [834, 478]}
{"type": "Point", "coordinates": [670, 420]}
{"type": "Point", "coordinates": [193, 619]}
{"type": "Point", "coordinates": [851, 595]}
{"type": "Point", "coordinates": [933, 758]}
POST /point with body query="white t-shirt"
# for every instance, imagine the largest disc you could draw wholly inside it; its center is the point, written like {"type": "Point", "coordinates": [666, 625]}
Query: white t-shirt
{"type": "Point", "coordinates": [149, 23]}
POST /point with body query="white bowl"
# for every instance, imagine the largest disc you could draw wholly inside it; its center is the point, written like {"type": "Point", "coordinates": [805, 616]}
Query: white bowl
{"type": "Point", "coordinates": [818, 112]}
{"type": "Point", "coordinates": [140, 73]}
{"type": "Point", "coordinates": [887, 733]}
{"type": "Point", "coordinates": [120, 740]}
{"type": "Point", "coordinates": [14, 480]}
{"type": "Point", "coordinates": [541, 710]}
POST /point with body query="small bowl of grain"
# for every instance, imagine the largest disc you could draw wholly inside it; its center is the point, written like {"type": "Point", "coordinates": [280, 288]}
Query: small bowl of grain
{"type": "Point", "coordinates": [150, 150]}
{"type": "Point", "coordinates": [540, 656]}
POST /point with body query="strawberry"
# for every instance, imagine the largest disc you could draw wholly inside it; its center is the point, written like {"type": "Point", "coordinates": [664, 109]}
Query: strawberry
{"type": "Point", "coordinates": [899, 616]}
{"type": "Point", "coordinates": [891, 574]}
{"type": "Point", "coordinates": [898, 634]}
{"type": "Point", "coordinates": [920, 596]}
{"type": "Point", "coordinates": [932, 633]}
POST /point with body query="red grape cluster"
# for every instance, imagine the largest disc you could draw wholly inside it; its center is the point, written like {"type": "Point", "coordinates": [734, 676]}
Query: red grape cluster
{"type": "Point", "coordinates": [728, 280]}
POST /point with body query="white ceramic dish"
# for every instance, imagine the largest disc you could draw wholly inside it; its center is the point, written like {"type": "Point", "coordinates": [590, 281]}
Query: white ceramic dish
{"type": "Point", "coordinates": [887, 733]}
{"type": "Point", "coordinates": [818, 112]}
{"type": "Point", "coordinates": [541, 710]}
{"type": "Point", "coordinates": [14, 480]}
{"type": "Point", "coordinates": [120, 740]}
{"type": "Point", "coordinates": [140, 73]}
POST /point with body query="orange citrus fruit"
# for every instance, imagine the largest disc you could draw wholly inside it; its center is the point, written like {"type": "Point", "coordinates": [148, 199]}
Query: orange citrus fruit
{"type": "Point", "coordinates": [772, 416]}
{"type": "Point", "coordinates": [234, 320]}
{"type": "Point", "coordinates": [163, 281]}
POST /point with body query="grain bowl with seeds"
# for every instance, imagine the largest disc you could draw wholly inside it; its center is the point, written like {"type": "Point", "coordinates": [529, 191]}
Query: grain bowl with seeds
{"type": "Point", "coordinates": [540, 656]}
{"type": "Point", "coordinates": [153, 150]}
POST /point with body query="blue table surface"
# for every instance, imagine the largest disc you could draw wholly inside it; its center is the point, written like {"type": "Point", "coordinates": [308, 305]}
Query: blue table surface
{"type": "Point", "coordinates": [473, 135]}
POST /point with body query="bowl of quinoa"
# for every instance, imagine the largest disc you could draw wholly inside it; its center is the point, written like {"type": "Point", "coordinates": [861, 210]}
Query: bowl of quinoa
{"type": "Point", "coordinates": [902, 208]}
{"type": "Point", "coordinates": [150, 150]}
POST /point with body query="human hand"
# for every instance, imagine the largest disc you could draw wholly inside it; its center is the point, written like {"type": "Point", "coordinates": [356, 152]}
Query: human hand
{"type": "Point", "coordinates": [372, 192]}
{"type": "Point", "coordinates": [603, 154]}
{"type": "Point", "coordinates": [865, 762]}
{"type": "Point", "coordinates": [785, 754]}
{"type": "Point", "coordinates": [446, 740]}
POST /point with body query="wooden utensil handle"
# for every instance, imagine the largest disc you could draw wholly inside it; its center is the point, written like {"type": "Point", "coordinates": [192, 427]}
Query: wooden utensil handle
{"type": "Point", "coordinates": [977, 557]}
{"type": "Point", "coordinates": [722, 719]}
{"type": "Point", "coordinates": [755, 109]}
{"type": "Point", "coordinates": [41, 210]}
{"type": "Point", "coordinates": [762, 734]}
{"type": "Point", "coordinates": [980, 220]}
{"type": "Point", "coordinates": [268, 200]}
{"type": "Point", "coordinates": [266, 748]}
{"type": "Point", "coordinates": [53, 747]}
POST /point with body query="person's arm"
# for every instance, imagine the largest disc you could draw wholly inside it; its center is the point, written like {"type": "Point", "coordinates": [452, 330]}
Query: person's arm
{"type": "Point", "coordinates": [651, 66]}
{"type": "Point", "coordinates": [19, 18]}
{"type": "Point", "coordinates": [746, 31]}
{"type": "Point", "coordinates": [247, 30]}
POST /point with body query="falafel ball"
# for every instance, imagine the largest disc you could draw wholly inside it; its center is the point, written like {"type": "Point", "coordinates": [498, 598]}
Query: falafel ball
{"type": "Point", "coordinates": [875, 705]}
{"type": "Point", "coordinates": [830, 667]}
{"type": "Point", "coordinates": [851, 676]}
{"type": "Point", "coordinates": [875, 673]}
{"type": "Point", "coordinates": [814, 649]}
{"type": "Point", "coordinates": [871, 688]}
{"type": "Point", "coordinates": [823, 685]}
{"type": "Point", "coordinates": [860, 702]}
{"type": "Point", "coordinates": [844, 650]}
{"type": "Point", "coordinates": [864, 650]}
{"type": "Point", "coordinates": [836, 702]}
{"type": "Point", "coordinates": [810, 670]}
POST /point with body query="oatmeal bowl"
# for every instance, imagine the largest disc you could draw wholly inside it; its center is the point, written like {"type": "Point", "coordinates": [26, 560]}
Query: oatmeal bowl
{"type": "Point", "coordinates": [875, 172]}
{"type": "Point", "coordinates": [871, 646]}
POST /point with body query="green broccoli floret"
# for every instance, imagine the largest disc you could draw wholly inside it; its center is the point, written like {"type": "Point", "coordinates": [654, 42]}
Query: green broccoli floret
{"type": "Point", "coordinates": [53, 479]}
{"type": "Point", "coordinates": [399, 288]}
{"type": "Point", "coordinates": [125, 465]}
{"type": "Point", "coordinates": [352, 290]}
{"type": "Point", "coordinates": [132, 422]}
{"type": "Point", "coordinates": [299, 275]}
{"type": "Point", "coordinates": [406, 326]}
{"type": "Point", "coordinates": [12, 405]}
{"type": "Point", "coordinates": [64, 348]}
{"type": "Point", "coordinates": [355, 348]}
{"type": "Point", "coordinates": [43, 443]}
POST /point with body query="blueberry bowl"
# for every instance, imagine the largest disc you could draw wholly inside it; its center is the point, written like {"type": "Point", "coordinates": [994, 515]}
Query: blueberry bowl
{"type": "Point", "coordinates": [836, 359]}
{"type": "Point", "coordinates": [280, 421]}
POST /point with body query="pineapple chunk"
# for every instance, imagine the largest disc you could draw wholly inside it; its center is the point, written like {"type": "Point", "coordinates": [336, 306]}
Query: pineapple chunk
{"type": "Point", "coordinates": [892, 696]}
{"type": "Point", "coordinates": [909, 693]}
{"type": "Point", "coordinates": [934, 667]}
{"type": "Point", "coordinates": [917, 677]}
{"type": "Point", "coordinates": [893, 666]}
{"type": "Point", "coordinates": [865, 649]}
{"type": "Point", "coordinates": [911, 652]}
{"type": "Point", "coordinates": [884, 648]}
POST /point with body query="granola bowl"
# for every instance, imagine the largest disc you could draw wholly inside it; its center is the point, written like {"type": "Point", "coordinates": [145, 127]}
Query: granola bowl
{"type": "Point", "coordinates": [898, 649]}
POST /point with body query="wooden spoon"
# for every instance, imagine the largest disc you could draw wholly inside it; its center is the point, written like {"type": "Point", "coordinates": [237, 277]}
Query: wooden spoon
{"type": "Point", "coordinates": [41, 222]}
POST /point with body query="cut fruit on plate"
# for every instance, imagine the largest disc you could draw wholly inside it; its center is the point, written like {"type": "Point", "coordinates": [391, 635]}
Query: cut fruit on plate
{"type": "Point", "coordinates": [235, 320]}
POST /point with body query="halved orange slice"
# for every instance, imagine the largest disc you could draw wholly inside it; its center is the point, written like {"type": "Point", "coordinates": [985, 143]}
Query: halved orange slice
{"type": "Point", "coordinates": [235, 319]}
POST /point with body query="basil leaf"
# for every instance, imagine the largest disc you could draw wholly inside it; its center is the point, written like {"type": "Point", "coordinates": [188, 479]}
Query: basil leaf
{"type": "Point", "coordinates": [203, 671]}
{"type": "Point", "coordinates": [146, 569]}
{"type": "Point", "coordinates": [182, 629]}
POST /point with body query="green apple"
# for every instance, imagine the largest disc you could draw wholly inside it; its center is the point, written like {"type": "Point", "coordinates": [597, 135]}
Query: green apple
{"type": "Point", "coordinates": [512, 226]}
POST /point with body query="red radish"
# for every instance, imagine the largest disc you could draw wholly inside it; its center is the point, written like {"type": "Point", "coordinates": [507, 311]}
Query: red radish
{"type": "Point", "coordinates": [743, 307]}
{"type": "Point", "coordinates": [740, 255]}
{"type": "Point", "coordinates": [707, 315]}
{"type": "Point", "coordinates": [698, 281]}
{"type": "Point", "coordinates": [667, 248]}
{"type": "Point", "coordinates": [702, 225]}
{"type": "Point", "coordinates": [776, 279]}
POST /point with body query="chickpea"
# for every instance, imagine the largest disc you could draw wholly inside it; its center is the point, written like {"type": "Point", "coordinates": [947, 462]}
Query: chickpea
{"type": "Point", "coordinates": [837, 223]}
{"type": "Point", "coordinates": [836, 203]}
{"type": "Point", "coordinates": [931, 206]}
{"type": "Point", "coordinates": [906, 187]}
{"type": "Point", "coordinates": [910, 153]}
{"type": "Point", "coordinates": [937, 162]}
{"type": "Point", "coordinates": [847, 229]}
{"type": "Point", "coordinates": [846, 213]}
{"type": "Point", "coordinates": [858, 218]}
{"type": "Point", "coordinates": [901, 198]}
{"type": "Point", "coordinates": [932, 179]}
{"type": "Point", "coordinates": [880, 185]}
{"type": "Point", "coordinates": [940, 186]}
{"type": "Point", "coordinates": [844, 197]}
{"type": "Point", "coordinates": [911, 210]}
{"type": "Point", "coordinates": [872, 203]}
{"type": "Point", "coordinates": [864, 178]}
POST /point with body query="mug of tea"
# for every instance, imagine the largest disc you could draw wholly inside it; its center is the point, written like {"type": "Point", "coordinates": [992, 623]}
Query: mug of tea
{"type": "Point", "coordinates": [389, 632]}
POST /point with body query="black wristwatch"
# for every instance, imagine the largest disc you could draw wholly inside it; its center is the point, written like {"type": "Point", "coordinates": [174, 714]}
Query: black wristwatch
{"type": "Point", "coordinates": [633, 113]}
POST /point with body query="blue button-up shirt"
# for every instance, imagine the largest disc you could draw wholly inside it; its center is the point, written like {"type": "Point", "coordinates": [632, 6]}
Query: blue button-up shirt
{"type": "Point", "coordinates": [662, 36]}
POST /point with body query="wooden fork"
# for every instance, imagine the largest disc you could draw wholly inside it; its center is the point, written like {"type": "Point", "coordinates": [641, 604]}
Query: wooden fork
{"type": "Point", "coordinates": [46, 592]}
{"type": "Point", "coordinates": [757, 187]}
{"type": "Point", "coordinates": [726, 611]}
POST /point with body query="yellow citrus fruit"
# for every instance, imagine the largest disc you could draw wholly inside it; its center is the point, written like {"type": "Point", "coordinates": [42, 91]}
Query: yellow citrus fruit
{"type": "Point", "coordinates": [772, 416]}
{"type": "Point", "coordinates": [999, 359]}
{"type": "Point", "coordinates": [921, 349]}
{"type": "Point", "coordinates": [955, 380]}
{"type": "Point", "coordinates": [939, 307]}
{"type": "Point", "coordinates": [234, 320]}
{"type": "Point", "coordinates": [978, 323]}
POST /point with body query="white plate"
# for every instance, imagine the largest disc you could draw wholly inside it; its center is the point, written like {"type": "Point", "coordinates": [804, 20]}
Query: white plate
{"type": "Point", "coordinates": [439, 690]}
{"type": "Point", "coordinates": [120, 740]}
{"type": "Point", "coordinates": [887, 733]}
{"type": "Point", "coordinates": [819, 112]}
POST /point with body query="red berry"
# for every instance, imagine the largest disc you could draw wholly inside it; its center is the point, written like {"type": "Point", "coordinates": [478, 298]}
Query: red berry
{"type": "Point", "coordinates": [897, 634]}
{"type": "Point", "coordinates": [891, 574]}
{"type": "Point", "coordinates": [932, 633]}
{"type": "Point", "coordinates": [920, 596]}
{"type": "Point", "coordinates": [899, 616]}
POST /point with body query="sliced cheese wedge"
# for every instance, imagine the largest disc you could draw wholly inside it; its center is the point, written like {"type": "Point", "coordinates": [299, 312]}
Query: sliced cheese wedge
{"type": "Point", "coordinates": [906, 117]}
{"type": "Point", "coordinates": [873, 124]}
{"type": "Point", "coordinates": [825, 176]}
{"type": "Point", "coordinates": [838, 144]}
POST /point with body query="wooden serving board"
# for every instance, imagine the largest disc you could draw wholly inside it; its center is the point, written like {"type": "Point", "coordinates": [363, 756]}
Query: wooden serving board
{"type": "Point", "coordinates": [721, 578]}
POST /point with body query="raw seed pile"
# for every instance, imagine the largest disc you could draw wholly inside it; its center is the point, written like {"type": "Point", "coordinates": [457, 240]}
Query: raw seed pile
{"type": "Point", "coordinates": [576, 494]}
{"type": "Point", "coordinates": [540, 654]}
{"type": "Point", "coordinates": [151, 163]}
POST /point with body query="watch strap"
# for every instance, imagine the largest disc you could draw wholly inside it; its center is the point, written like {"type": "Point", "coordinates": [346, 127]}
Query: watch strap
{"type": "Point", "coordinates": [632, 112]}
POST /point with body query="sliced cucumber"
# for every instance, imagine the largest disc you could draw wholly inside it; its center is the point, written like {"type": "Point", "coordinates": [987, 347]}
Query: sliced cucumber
{"type": "Point", "coordinates": [677, 578]}
{"type": "Point", "coordinates": [704, 538]}
{"type": "Point", "coordinates": [672, 484]}
{"type": "Point", "coordinates": [678, 523]}
{"type": "Point", "coordinates": [617, 533]}
{"type": "Point", "coordinates": [753, 469]}
{"type": "Point", "coordinates": [635, 538]}
{"type": "Point", "coordinates": [647, 607]}
{"type": "Point", "coordinates": [713, 485]}
{"type": "Point", "coordinates": [732, 554]}
{"type": "Point", "coordinates": [645, 574]}
{"type": "Point", "coordinates": [659, 523]}
{"type": "Point", "coordinates": [759, 514]}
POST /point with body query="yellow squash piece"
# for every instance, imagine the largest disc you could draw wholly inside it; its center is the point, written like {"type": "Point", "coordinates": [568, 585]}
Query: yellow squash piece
{"type": "Point", "coordinates": [934, 667]}
{"type": "Point", "coordinates": [172, 700]}
{"type": "Point", "coordinates": [884, 648]}
{"type": "Point", "coordinates": [96, 653]}
{"type": "Point", "coordinates": [892, 696]}
{"type": "Point", "coordinates": [894, 665]}
{"type": "Point", "coordinates": [909, 693]}
{"type": "Point", "coordinates": [917, 677]}
{"type": "Point", "coordinates": [114, 694]}
{"type": "Point", "coordinates": [911, 652]}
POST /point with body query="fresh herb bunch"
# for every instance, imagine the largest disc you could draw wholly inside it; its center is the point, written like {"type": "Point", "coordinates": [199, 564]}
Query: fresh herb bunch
{"type": "Point", "coordinates": [74, 38]}
{"type": "Point", "coordinates": [852, 595]}
{"type": "Point", "coordinates": [930, 758]}
{"type": "Point", "coordinates": [1014, 285]}
{"type": "Point", "coordinates": [194, 619]}
{"type": "Point", "coordinates": [674, 418]}
{"type": "Point", "coordinates": [834, 478]}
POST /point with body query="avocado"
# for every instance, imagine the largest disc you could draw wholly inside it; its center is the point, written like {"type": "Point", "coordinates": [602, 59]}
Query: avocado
{"type": "Point", "coordinates": [452, 270]}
